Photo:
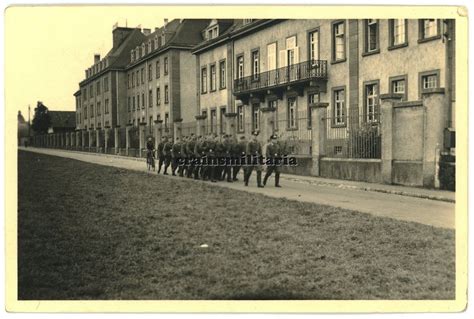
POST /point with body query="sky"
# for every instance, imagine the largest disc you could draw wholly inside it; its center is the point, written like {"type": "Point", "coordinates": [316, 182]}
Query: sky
{"type": "Point", "coordinates": [48, 48]}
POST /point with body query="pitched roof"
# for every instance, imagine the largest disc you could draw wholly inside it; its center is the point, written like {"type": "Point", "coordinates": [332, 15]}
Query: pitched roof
{"type": "Point", "coordinates": [66, 119]}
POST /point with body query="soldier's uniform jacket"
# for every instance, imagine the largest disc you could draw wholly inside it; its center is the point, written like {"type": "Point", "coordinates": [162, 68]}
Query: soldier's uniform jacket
{"type": "Point", "coordinates": [210, 148]}
{"type": "Point", "coordinates": [184, 150]}
{"type": "Point", "coordinates": [220, 149]}
{"type": "Point", "coordinates": [167, 148]}
{"type": "Point", "coordinates": [149, 145]}
{"type": "Point", "coordinates": [228, 147]}
{"type": "Point", "coordinates": [160, 149]}
{"type": "Point", "coordinates": [198, 148]}
{"type": "Point", "coordinates": [254, 148]}
{"type": "Point", "coordinates": [273, 150]}
{"type": "Point", "coordinates": [239, 148]}
{"type": "Point", "coordinates": [176, 149]}
{"type": "Point", "coordinates": [190, 148]}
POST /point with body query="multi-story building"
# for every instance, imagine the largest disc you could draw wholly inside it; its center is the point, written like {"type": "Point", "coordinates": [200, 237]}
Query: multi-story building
{"type": "Point", "coordinates": [160, 81]}
{"type": "Point", "coordinates": [297, 77]}
{"type": "Point", "coordinates": [103, 91]}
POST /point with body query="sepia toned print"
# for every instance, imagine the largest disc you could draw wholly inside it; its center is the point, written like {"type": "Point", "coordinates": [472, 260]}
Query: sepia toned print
{"type": "Point", "coordinates": [248, 160]}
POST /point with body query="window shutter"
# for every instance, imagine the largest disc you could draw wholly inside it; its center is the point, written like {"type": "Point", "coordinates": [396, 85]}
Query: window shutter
{"type": "Point", "coordinates": [297, 55]}
{"type": "Point", "coordinates": [291, 43]}
{"type": "Point", "coordinates": [282, 58]}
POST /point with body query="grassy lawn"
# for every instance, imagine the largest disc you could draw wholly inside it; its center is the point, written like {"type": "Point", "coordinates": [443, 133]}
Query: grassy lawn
{"type": "Point", "coordinates": [93, 232]}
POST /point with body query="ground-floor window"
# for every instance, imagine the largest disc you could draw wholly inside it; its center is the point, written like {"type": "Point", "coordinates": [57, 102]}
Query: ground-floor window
{"type": "Point", "coordinates": [240, 118]}
{"type": "Point", "coordinates": [274, 105]}
{"type": "Point", "coordinates": [256, 117]}
{"type": "Point", "coordinates": [222, 120]}
{"type": "Point", "coordinates": [213, 121]}
{"type": "Point", "coordinates": [371, 102]}
{"type": "Point", "coordinates": [291, 113]}
{"type": "Point", "coordinates": [339, 102]}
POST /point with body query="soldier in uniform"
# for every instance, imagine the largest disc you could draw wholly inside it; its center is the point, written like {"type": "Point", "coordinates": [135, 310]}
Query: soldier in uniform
{"type": "Point", "coordinates": [219, 153]}
{"type": "Point", "coordinates": [191, 155]}
{"type": "Point", "coordinates": [211, 155]}
{"type": "Point", "coordinates": [227, 154]}
{"type": "Point", "coordinates": [167, 154]}
{"type": "Point", "coordinates": [175, 155]}
{"type": "Point", "coordinates": [254, 149]}
{"type": "Point", "coordinates": [182, 168]}
{"type": "Point", "coordinates": [161, 156]}
{"type": "Point", "coordinates": [273, 152]}
{"type": "Point", "coordinates": [198, 153]}
{"type": "Point", "coordinates": [238, 151]}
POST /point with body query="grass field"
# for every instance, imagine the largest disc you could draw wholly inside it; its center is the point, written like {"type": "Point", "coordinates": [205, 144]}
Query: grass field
{"type": "Point", "coordinates": [93, 232]}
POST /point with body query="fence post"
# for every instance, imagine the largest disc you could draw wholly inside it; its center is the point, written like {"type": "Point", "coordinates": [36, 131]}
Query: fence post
{"type": "Point", "coordinates": [116, 139]}
{"type": "Point", "coordinates": [435, 114]}
{"type": "Point", "coordinates": [89, 138]}
{"type": "Point", "coordinates": [106, 138]}
{"type": "Point", "coordinates": [386, 126]}
{"type": "Point", "coordinates": [318, 135]}
{"type": "Point", "coordinates": [177, 125]}
{"type": "Point", "coordinates": [267, 121]}
{"type": "Point", "coordinates": [97, 139]}
{"type": "Point", "coordinates": [127, 138]}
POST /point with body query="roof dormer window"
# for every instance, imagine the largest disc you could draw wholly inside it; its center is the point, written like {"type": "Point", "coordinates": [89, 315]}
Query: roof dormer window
{"type": "Point", "coordinates": [143, 49]}
{"type": "Point", "coordinates": [247, 21]}
{"type": "Point", "coordinates": [132, 55]}
{"type": "Point", "coordinates": [212, 33]}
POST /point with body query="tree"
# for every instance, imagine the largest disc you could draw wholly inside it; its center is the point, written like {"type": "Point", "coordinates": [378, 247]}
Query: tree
{"type": "Point", "coordinates": [41, 120]}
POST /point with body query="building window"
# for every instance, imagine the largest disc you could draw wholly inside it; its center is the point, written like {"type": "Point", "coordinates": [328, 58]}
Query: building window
{"type": "Point", "coordinates": [371, 102]}
{"type": "Point", "coordinates": [222, 119]}
{"type": "Point", "coordinates": [339, 41]}
{"type": "Point", "coordinates": [92, 110]}
{"type": "Point", "coordinates": [106, 84]}
{"type": "Point", "coordinates": [138, 102]}
{"type": "Point", "coordinates": [291, 113]}
{"type": "Point", "coordinates": [428, 28]}
{"type": "Point", "coordinates": [167, 119]}
{"type": "Point", "coordinates": [133, 79]}
{"type": "Point", "coordinates": [143, 100]}
{"type": "Point", "coordinates": [158, 96]}
{"type": "Point", "coordinates": [247, 21]}
{"type": "Point", "coordinates": [256, 116]}
{"type": "Point", "coordinates": [255, 64]}
{"type": "Point", "coordinates": [91, 91]}
{"type": "Point", "coordinates": [84, 94]}
{"type": "Point", "coordinates": [398, 32]}
{"type": "Point", "coordinates": [97, 91]}
{"type": "Point", "coordinates": [273, 104]}
{"type": "Point", "coordinates": [339, 107]}
{"type": "Point", "coordinates": [213, 120]}
{"type": "Point", "coordinates": [142, 75]}
{"type": "Point", "coordinates": [271, 56]}
{"type": "Point", "coordinates": [166, 94]}
{"type": "Point", "coordinates": [398, 85]}
{"type": "Point", "coordinates": [150, 98]}
{"type": "Point", "coordinates": [138, 78]}
{"type": "Point", "coordinates": [314, 46]}
{"type": "Point", "coordinates": [166, 65]}
{"type": "Point", "coordinates": [133, 104]}
{"type": "Point", "coordinates": [106, 106]}
{"type": "Point", "coordinates": [150, 72]}
{"type": "Point", "coordinates": [429, 80]}
{"type": "Point", "coordinates": [203, 80]}
{"type": "Point", "coordinates": [240, 118]}
{"type": "Point", "coordinates": [85, 113]}
{"type": "Point", "coordinates": [240, 67]}
{"type": "Point", "coordinates": [371, 35]}
{"type": "Point", "coordinates": [222, 73]}
{"type": "Point", "coordinates": [213, 77]}
{"type": "Point", "coordinates": [157, 69]}
{"type": "Point", "coordinates": [129, 104]}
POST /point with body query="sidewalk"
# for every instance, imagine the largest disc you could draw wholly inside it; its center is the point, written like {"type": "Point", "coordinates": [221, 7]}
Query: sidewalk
{"type": "Point", "coordinates": [398, 202]}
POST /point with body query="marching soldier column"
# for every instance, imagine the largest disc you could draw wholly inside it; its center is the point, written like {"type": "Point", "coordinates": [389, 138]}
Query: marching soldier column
{"type": "Point", "coordinates": [218, 158]}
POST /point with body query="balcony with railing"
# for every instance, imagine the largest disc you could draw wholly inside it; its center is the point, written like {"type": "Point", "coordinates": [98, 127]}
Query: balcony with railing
{"type": "Point", "coordinates": [295, 74]}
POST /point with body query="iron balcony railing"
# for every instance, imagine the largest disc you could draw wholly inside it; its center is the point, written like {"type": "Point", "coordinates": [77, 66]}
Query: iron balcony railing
{"type": "Point", "coordinates": [308, 70]}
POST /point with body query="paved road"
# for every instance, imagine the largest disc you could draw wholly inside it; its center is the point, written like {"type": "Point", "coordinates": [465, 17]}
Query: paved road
{"type": "Point", "coordinates": [425, 211]}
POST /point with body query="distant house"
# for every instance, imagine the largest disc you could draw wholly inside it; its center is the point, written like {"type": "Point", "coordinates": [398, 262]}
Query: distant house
{"type": "Point", "coordinates": [62, 121]}
{"type": "Point", "coordinates": [23, 130]}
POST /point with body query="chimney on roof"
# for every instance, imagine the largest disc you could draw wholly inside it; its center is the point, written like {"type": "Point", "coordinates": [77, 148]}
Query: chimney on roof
{"type": "Point", "coordinates": [166, 22]}
{"type": "Point", "coordinates": [96, 58]}
{"type": "Point", "coordinates": [156, 29]}
{"type": "Point", "coordinates": [146, 31]}
{"type": "Point", "coordinates": [119, 34]}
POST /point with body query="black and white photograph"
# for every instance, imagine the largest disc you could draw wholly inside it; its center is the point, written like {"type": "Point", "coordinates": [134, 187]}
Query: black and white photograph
{"type": "Point", "coordinates": [166, 156]}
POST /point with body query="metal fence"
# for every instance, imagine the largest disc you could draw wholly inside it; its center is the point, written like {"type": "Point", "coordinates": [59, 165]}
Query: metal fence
{"type": "Point", "coordinates": [295, 134]}
{"type": "Point", "coordinates": [356, 136]}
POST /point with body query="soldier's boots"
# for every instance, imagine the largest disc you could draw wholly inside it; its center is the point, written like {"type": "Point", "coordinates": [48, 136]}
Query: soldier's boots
{"type": "Point", "coordinates": [259, 179]}
{"type": "Point", "coordinates": [277, 180]}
